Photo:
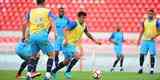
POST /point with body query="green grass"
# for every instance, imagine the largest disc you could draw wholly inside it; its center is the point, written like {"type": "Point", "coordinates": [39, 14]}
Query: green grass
{"type": "Point", "coordinates": [10, 75]}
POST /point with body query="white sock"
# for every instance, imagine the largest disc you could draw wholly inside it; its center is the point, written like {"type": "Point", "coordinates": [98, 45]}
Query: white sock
{"type": "Point", "coordinates": [152, 69]}
{"type": "Point", "coordinates": [48, 75]}
{"type": "Point", "coordinates": [121, 67]}
{"type": "Point", "coordinates": [112, 67]}
{"type": "Point", "coordinates": [141, 67]}
{"type": "Point", "coordinates": [29, 74]}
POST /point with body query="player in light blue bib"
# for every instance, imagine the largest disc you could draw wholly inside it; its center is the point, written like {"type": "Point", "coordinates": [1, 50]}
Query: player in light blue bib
{"type": "Point", "coordinates": [117, 39]}
{"type": "Point", "coordinates": [61, 22]}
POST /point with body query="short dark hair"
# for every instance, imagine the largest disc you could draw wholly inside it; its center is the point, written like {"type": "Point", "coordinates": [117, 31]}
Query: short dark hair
{"type": "Point", "coordinates": [61, 7]}
{"type": "Point", "coordinates": [40, 1]}
{"type": "Point", "coordinates": [81, 13]}
{"type": "Point", "coordinates": [151, 10]}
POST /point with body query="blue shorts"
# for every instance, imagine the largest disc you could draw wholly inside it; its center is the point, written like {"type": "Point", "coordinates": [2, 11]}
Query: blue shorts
{"type": "Point", "coordinates": [118, 50]}
{"type": "Point", "coordinates": [40, 42]}
{"type": "Point", "coordinates": [24, 50]}
{"type": "Point", "coordinates": [148, 46]}
{"type": "Point", "coordinates": [69, 51]}
{"type": "Point", "coordinates": [58, 44]}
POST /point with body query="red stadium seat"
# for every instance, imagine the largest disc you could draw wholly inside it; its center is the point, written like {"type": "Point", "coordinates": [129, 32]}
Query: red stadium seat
{"type": "Point", "coordinates": [100, 13]}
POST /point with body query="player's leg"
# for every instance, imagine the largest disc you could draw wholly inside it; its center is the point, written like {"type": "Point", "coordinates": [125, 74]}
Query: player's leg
{"type": "Point", "coordinates": [56, 58]}
{"type": "Point", "coordinates": [57, 49]}
{"type": "Point", "coordinates": [47, 48]}
{"type": "Point", "coordinates": [31, 63]}
{"type": "Point", "coordinates": [51, 56]}
{"type": "Point", "coordinates": [143, 53]}
{"type": "Point", "coordinates": [37, 60]}
{"type": "Point", "coordinates": [22, 67]}
{"type": "Point", "coordinates": [121, 62]}
{"type": "Point", "coordinates": [76, 57]}
{"type": "Point", "coordinates": [118, 54]}
{"type": "Point", "coordinates": [115, 63]}
{"type": "Point", "coordinates": [152, 51]}
{"type": "Point", "coordinates": [35, 73]}
{"type": "Point", "coordinates": [33, 59]}
{"type": "Point", "coordinates": [61, 65]}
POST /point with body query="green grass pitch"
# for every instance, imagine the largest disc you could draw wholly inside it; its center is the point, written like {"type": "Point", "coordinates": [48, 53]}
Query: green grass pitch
{"type": "Point", "coordinates": [10, 75]}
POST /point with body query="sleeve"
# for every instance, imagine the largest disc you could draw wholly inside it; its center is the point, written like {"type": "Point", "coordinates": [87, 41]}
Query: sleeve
{"type": "Point", "coordinates": [53, 17]}
{"type": "Point", "coordinates": [112, 36]}
{"type": "Point", "coordinates": [122, 36]}
{"type": "Point", "coordinates": [71, 25]}
{"type": "Point", "coordinates": [158, 23]}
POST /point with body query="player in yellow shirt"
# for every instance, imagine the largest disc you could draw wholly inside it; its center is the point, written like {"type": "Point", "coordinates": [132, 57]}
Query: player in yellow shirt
{"type": "Point", "coordinates": [73, 34]}
{"type": "Point", "coordinates": [39, 23]}
{"type": "Point", "coordinates": [148, 34]}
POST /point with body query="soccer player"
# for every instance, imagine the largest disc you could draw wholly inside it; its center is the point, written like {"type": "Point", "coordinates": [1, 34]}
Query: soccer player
{"type": "Point", "coordinates": [60, 23]}
{"type": "Point", "coordinates": [39, 23]}
{"type": "Point", "coordinates": [73, 34]}
{"type": "Point", "coordinates": [147, 35]}
{"type": "Point", "coordinates": [23, 66]}
{"type": "Point", "coordinates": [23, 50]}
{"type": "Point", "coordinates": [117, 39]}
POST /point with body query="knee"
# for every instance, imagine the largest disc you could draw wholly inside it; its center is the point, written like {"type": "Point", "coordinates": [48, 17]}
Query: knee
{"type": "Point", "coordinates": [51, 55]}
{"type": "Point", "coordinates": [78, 56]}
{"type": "Point", "coordinates": [66, 61]}
{"type": "Point", "coordinates": [56, 53]}
{"type": "Point", "coordinates": [152, 56]}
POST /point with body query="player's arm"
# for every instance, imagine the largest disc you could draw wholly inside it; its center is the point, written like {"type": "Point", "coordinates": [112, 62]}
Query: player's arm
{"type": "Point", "coordinates": [24, 27]}
{"type": "Point", "coordinates": [141, 34]}
{"type": "Point", "coordinates": [90, 36]}
{"type": "Point", "coordinates": [123, 37]}
{"type": "Point", "coordinates": [111, 38]}
{"type": "Point", "coordinates": [157, 25]}
{"type": "Point", "coordinates": [52, 18]}
{"type": "Point", "coordinates": [66, 32]}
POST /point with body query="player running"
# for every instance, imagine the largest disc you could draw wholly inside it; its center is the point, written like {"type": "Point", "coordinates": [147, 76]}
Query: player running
{"type": "Point", "coordinates": [60, 23]}
{"type": "Point", "coordinates": [39, 22]}
{"type": "Point", "coordinates": [23, 50]}
{"type": "Point", "coordinates": [73, 34]}
{"type": "Point", "coordinates": [148, 34]}
{"type": "Point", "coordinates": [117, 39]}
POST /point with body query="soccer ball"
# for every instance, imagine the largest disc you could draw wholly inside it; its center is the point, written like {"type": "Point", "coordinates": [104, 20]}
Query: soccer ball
{"type": "Point", "coordinates": [97, 74]}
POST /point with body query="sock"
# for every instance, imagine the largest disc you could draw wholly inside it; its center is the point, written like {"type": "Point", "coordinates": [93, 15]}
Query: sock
{"type": "Point", "coordinates": [73, 62]}
{"type": "Point", "coordinates": [49, 65]}
{"type": "Point", "coordinates": [152, 62]}
{"type": "Point", "coordinates": [22, 67]}
{"type": "Point", "coordinates": [115, 63]}
{"type": "Point", "coordinates": [121, 62]}
{"type": "Point", "coordinates": [31, 63]}
{"type": "Point", "coordinates": [141, 60]}
{"type": "Point", "coordinates": [60, 66]}
{"type": "Point", "coordinates": [35, 65]}
{"type": "Point", "coordinates": [56, 60]}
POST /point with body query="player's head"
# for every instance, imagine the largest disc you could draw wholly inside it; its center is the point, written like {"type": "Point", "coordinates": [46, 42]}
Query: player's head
{"type": "Point", "coordinates": [61, 12]}
{"type": "Point", "coordinates": [151, 14]}
{"type": "Point", "coordinates": [118, 28]}
{"type": "Point", "coordinates": [81, 16]}
{"type": "Point", "coordinates": [40, 2]}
